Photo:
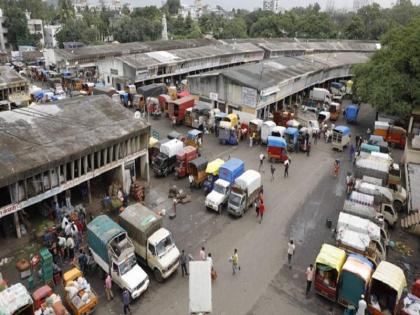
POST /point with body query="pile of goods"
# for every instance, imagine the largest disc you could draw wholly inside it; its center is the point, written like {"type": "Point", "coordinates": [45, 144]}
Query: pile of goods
{"type": "Point", "coordinates": [79, 292]}
{"type": "Point", "coordinates": [52, 306]}
{"type": "Point", "coordinates": [137, 191]}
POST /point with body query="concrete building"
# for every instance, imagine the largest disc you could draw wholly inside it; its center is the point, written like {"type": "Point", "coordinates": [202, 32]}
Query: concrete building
{"type": "Point", "coordinates": [13, 87]}
{"type": "Point", "coordinates": [88, 56]}
{"type": "Point", "coordinates": [3, 31]}
{"type": "Point", "coordinates": [262, 88]}
{"type": "Point", "coordinates": [49, 149]}
{"type": "Point", "coordinates": [50, 31]}
{"type": "Point", "coordinates": [175, 65]}
{"type": "Point", "coordinates": [35, 27]}
{"type": "Point", "coordinates": [272, 5]}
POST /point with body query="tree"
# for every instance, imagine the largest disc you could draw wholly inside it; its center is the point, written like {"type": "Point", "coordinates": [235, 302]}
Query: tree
{"type": "Point", "coordinates": [65, 11]}
{"type": "Point", "coordinates": [354, 28]}
{"type": "Point", "coordinates": [390, 80]}
{"type": "Point", "coordinates": [17, 27]}
{"type": "Point", "coordinates": [173, 6]}
{"type": "Point", "coordinates": [235, 28]}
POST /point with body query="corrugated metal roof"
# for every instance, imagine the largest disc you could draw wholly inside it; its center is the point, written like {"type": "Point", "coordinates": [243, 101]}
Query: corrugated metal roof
{"type": "Point", "coordinates": [41, 137]}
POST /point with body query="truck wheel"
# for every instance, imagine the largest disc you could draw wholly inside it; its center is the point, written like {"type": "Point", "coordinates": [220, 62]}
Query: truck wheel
{"type": "Point", "coordinates": [157, 275]}
{"type": "Point", "coordinates": [219, 210]}
{"type": "Point", "coordinates": [398, 206]}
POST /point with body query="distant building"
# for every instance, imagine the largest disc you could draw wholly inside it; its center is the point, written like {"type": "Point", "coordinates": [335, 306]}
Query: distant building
{"type": "Point", "coordinates": [272, 5]}
{"type": "Point", "coordinates": [3, 31]}
{"type": "Point", "coordinates": [195, 11]}
{"type": "Point", "coordinates": [13, 87]}
{"type": "Point", "coordinates": [35, 27]}
{"type": "Point", "coordinates": [50, 31]}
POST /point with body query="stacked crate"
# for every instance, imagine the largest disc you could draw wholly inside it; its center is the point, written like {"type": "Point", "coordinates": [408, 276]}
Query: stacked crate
{"type": "Point", "coordinates": [46, 265]}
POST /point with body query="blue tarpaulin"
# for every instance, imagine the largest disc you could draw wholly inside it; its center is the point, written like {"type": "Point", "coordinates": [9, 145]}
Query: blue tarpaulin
{"type": "Point", "coordinates": [232, 169]}
{"type": "Point", "coordinates": [278, 142]}
{"type": "Point", "coordinates": [343, 129]}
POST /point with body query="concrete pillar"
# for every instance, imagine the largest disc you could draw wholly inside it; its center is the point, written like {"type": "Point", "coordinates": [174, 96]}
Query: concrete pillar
{"type": "Point", "coordinates": [17, 225]}
{"type": "Point", "coordinates": [98, 158]}
{"type": "Point", "coordinates": [92, 162]}
{"type": "Point", "coordinates": [117, 152]}
{"type": "Point", "coordinates": [64, 167]}
{"type": "Point", "coordinates": [85, 164]}
{"type": "Point", "coordinates": [111, 154]}
{"type": "Point", "coordinates": [25, 188]}
{"type": "Point", "coordinates": [50, 178]}
{"type": "Point", "coordinates": [72, 169]}
{"type": "Point", "coordinates": [88, 189]}
{"type": "Point", "coordinates": [79, 167]}
{"type": "Point", "coordinates": [105, 156]}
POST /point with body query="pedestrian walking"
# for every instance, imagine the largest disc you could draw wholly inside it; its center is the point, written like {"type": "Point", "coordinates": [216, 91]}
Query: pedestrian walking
{"type": "Point", "coordinates": [251, 140]}
{"type": "Point", "coordinates": [308, 148]}
{"type": "Point", "coordinates": [272, 170]}
{"type": "Point", "coordinates": [337, 168]}
{"type": "Point", "coordinates": [82, 260]}
{"type": "Point", "coordinates": [352, 152]}
{"type": "Point", "coordinates": [108, 287]}
{"type": "Point", "coordinates": [368, 132]}
{"type": "Point", "coordinates": [203, 253]}
{"type": "Point", "coordinates": [362, 306]}
{"type": "Point", "coordinates": [126, 301]}
{"type": "Point", "coordinates": [213, 271]}
{"type": "Point", "coordinates": [68, 199]}
{"type": "Point", "coordinates": [261, 167]}
{"type": "Point", "coordinates": [62, 247]}
{"type": "Point", "coordinates": [262, 210]}
{"type": "Point", "coordinates": [174, 202]}
{"type": "Point", "coordinates": [257, 206]}
{"type": "Point", "coordinates": [191, 180]}
{"type": "Point", "coordinates": [309, 278]}
{"type": "Point", "coordinates": [70, 245]}
{"type": "Point", "coordinates": [286, 168]}
{"type": "Point", "coordinates": [184, 259]}
{"type": "Point", "coordinates": [290, 252]}
{"type": "Point", "coordinates": [235, 262]}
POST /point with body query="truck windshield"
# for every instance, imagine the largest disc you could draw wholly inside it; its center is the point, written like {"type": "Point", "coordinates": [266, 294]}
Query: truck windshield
{"type": "Point", "coordinates": [234, 200]}
{"type": "Point", "coordinates": [219, 189]}
{"type": "Point", "coordinates": [164, 245]}
{"type": "Point", "coordinates": [126, 266]}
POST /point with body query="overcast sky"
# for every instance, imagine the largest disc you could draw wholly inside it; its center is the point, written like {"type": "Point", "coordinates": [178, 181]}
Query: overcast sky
{"type": "Point", "coordinates": [253, 4]}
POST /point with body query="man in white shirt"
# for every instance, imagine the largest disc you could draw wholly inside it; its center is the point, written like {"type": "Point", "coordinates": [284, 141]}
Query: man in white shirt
{"type": "Point", "coordinates": [70, 245]}
{"type": "Point", "coordinates": [310, 272]}
{"type": "Point", "coordinates": [202, 254]}
{"type": "Point", "coordinates": [362, 305]}
{"type": "Point", "coordinates": [261, 166]}
{"type": "Point", "coordinates": [290, 252]}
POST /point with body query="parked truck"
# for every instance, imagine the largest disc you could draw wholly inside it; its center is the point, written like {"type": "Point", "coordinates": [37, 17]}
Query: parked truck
{"type": "Point", "coordinates": [372, 213]}
{"type": "Point", "coordinates": [320, 95]}
{"type": "Point", "coordinates": [244, 192]}
{"type": "Point", "coordinates": [396, 198]}
{"type": "Point", "coordinates": [228, 172]}
{"type": "Point", "coordinates": [153, 243]}
{"type": "Point", "coordinates": [165, 161]}
{"type": "Point", "coordinates": [186, 155]}
{"type": "Point", "coordinates": [114, 253]}
{"type": "Point", "coordinates": [373, 166]}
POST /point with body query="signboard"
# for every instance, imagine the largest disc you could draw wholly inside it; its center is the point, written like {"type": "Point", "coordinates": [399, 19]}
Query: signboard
{"type": "Point", "coordinates": [114, 71]}
{"type": "Point", "coordinates": [9, 209]}
{"type": "Point", "coordinates": [214, 96]}
{"type": "Point", "coordinates": [249, 96]}
{"type": "Point", "coordinates": [141, 75]}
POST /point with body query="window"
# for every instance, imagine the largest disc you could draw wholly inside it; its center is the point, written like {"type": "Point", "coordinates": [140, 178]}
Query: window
{"type": "Point", "coordinates": [151, 249]}
{"type": "Point", "coordinates": [114, 267]}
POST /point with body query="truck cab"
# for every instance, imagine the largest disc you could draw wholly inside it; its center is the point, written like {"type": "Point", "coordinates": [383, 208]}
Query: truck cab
{"type": "Point", "coordinates": [154, 245]}
{"type": "Point", "coordinates": [217, 198]}
{"type": "Point", "coordinates": [164, 163]}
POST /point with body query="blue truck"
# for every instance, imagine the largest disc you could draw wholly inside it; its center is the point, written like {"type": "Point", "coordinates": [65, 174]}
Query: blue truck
{"type": "Point", "coordinates": [351, 113]}
{"type": "Point", "coordinates": [228, 172]}
{"type": "Point", "coordinates": [114, 253]}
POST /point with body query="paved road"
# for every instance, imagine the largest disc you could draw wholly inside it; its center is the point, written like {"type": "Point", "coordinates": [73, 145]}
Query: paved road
{"type": "Point", "coordinates": [297, 208]}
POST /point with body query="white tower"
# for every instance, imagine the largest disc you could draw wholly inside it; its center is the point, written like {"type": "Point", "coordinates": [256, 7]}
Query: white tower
{"type": "Point", "coordinates": [164, 28]}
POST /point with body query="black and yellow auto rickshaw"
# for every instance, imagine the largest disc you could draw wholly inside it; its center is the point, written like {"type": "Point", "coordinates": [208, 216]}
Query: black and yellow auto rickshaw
{"type": "Point", "coordinates": [197, 168]}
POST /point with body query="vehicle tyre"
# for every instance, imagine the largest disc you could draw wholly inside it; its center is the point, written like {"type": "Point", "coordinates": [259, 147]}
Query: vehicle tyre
{"type": "Point", "coordinates": [398, 206]}
{"type": "Point", "coordinates": [219, 210]}
{"type": "Point", "coordinates": [158, 276]}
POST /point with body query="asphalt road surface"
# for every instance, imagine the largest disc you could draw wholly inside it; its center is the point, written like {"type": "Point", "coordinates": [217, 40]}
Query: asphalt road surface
{"type": "Point", "coordinates": [296, 207]}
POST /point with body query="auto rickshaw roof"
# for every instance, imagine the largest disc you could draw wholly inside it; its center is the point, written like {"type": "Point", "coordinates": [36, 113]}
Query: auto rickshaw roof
{"type": "Point", "coordinates": [331, 256]}
{"type": "Point", "coordinates": [72, 274]}
{"type": "Point", "coordinates": [42, 292]}
{"type": "Point", "coordinates": [278, 142]}
{"type": "Point", "coordinates": [291, 131]}
{"type": "Point", "coordinates": [352, 107]}
{"type": "Point", "coordinates": [193, 133]}
{"type": "Point", "coordinates": [199, 163]}
{"type": "Point", "coordinates": [359, 265]}
{"type": "Point", "coordinates": [174, 135]}
{"type": "Point", "coordinates": [343, 129]}
{"type": "Point", "coordinates": [153, 141]}
{"type": "Point", "coordinates": [213, 166]}
{"type": "Point", "coordinates": [391, 275]}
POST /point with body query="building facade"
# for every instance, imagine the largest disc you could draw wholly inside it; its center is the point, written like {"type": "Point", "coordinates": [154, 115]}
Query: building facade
{"type": "Point", "coordinates": [41, 159]}
{"type": "Point", "coordinates": [272, 5]}
{"type": "Point", "coordinates": [50, 31]}
{"type": "Point", "coordinates": [3, 31]}
{"type": "Point", "coordinates": [35, 27]}
{"type": "Point", "coordinates": [13, 87]}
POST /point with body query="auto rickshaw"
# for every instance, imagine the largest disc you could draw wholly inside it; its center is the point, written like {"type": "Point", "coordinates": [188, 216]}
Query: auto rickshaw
{"type": "Point", "coordinates": [40, 297]}
{"type": "Point", "coordinates": [212, 172]}
{"type": "Point", "coordinates": [276, 149]}
{"type": "Point", "coordinates": [194, 138]}
{"type": "Point", "coordinates": [255, 130]}
{"type": "Point", "coordinates": [303, 139]}
{"type": "Point", "coordinates": [197, 168]}
{"type": "Point", "coordinates": [328, 266]}
{"type": "Point", "coordinates": [218, 117]}
{"type": "Point", "coordinates": [335, 111]}
{"type": "Point", "coordinates": [154, 148]}
{"type": "Point", "coordinates": [230, 120]}
{"type": "Point", "coordinates": [188, 154]}
{"type": "Point", "coordinates": [291, 137]}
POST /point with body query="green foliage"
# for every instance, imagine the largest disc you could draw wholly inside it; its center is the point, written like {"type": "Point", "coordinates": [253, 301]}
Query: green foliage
{"type": "Point", "coordinates": [235, 28]}
{"type": "Point", "coordinates": [16, 24]}
{"type": "Point", "coordinates": [390, 80]}
{"type": "Point", "coordinates": [77, 31]}
{"type": "Point", "coordinates": [172, 6]}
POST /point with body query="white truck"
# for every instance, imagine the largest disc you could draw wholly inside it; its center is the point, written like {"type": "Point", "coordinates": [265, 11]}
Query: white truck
{"type": "Point", "coordinates": [364, 211]}
{"type": "Point", "coordinates": [113, 251]}
{"type": "Point", "coordinates": [397, 198]}
{"type": "Point", "coordinates": [386, 209]}
{"type": "Point", "coordinates": [165, 161]}
{"type": "Point", "coordinates": [266, 129]}
{"type": "Point", "coordinates": [153, 243]}
{"type": "Point", "coordinates": [321, 95]}
{"type": "Point", "coordinates": [244, 192]}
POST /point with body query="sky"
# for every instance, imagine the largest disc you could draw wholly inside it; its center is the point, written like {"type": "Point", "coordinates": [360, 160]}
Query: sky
{"type": "Point", "coordinates": [253, 4]}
